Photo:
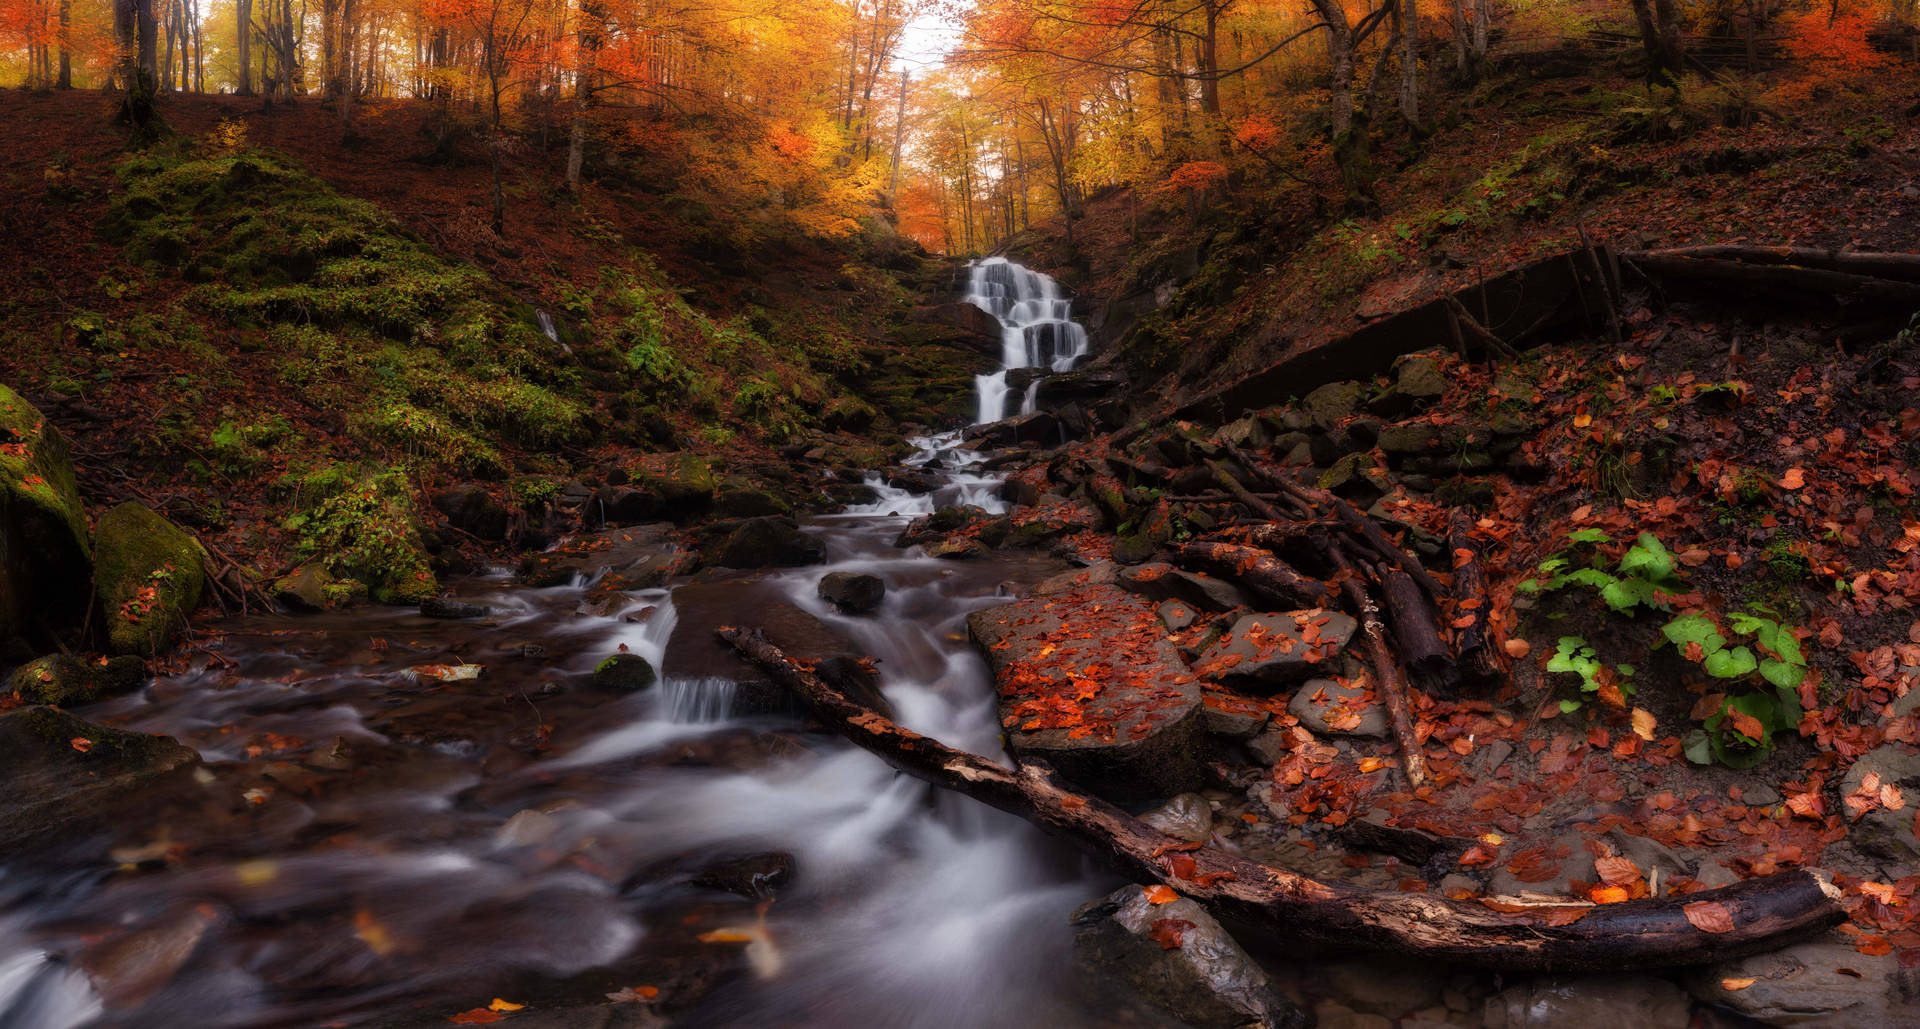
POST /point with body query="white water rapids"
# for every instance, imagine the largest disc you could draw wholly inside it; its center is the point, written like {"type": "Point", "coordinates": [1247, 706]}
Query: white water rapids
{"type": "Point", "coordinates": [441, 880]}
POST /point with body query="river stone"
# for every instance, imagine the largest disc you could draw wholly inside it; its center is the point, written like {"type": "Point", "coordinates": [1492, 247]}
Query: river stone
{"type": "Point", "coordinates": [957, 548]}
{"type": "Point", "coordinates": [451, 609]}
{"type": "Point", "coordinates": [854, 593]}
{"type": "Point", "coordinates": [472, 511]}
{"type": "Point", "coordinates": [1880, 832]}
{"type": "Point", "coordinates": [1824, 982]}
{"type": "Point", "coordinates": [1274, 649]}
{"type": "Point", "coordinates": [1188, 817]}
{"type": "Point", "coordinates": [623, 673]}
{"type": "Point", "coordinates": [762, 543]}
{"type": "Point", "coordinates": [1161, 581]}
{"type": "Point", "coordinates": [1327, 406]}
{"type": "Point", "coordinates": [1103, 574]}
{"type": "Point", "coordinates": [1205, 980]}
{"type": "Point", "coordinates": [1382, 986]}
{"type": "Point", "coordinates": [1110, 703]}
{"type": "Point", "coordinates": [1232, 717]}
{"type": "Point", "coordinates": [44, 550]}
{"type": "Point", "coordinates": [643, 556]}
{"type": "Point", "coordinates": [66, 681]}
{"type": "Point", "coordinates": [1640, 1001]}
{"type": "Point", "coordinates": [54, 788]}
{"type": "Point", "coordinates": [130, 966]}
{"type": "Point", "coordinates": [1577, 866]}
{"type": "Point", "coordinates": [149, 574]}
{"type": "Point", "coordinates": [1176, 615]}
{"type": "Point", "coordinates": [755, 876]}
{"type": "Point", "coordinates": [1336, 708]}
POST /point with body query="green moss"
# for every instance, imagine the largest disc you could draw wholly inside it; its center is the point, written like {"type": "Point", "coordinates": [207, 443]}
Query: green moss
{"type": "Point", "coordinates": [148, 573]}
{"type": "Point", "coordinates": [64, 680]}
{"type": "Point", "coordinates": [360, 526]}
{"type": "Point", "coordinates": [35, 470]}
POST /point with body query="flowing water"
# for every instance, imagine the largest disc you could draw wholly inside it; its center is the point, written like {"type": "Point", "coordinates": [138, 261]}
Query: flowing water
{"type": "Point", "coordinates": [372, 845]}
{"type": "Point", "coordinates": [1037, 332]}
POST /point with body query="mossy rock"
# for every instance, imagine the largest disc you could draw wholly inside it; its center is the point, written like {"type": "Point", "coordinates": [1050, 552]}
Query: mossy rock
{"type": "Point", "coordinates": [148, 573]}
{"type": "Point", "coordinates": [623, 673]}
{"type": "Point", "coordinates": [66, 776]}
{"type": "Point", "coordinates": [684, 482]}
{"type": "Point", "coordinates": [44, 550]}
{"type": "Point", "coordinates": [64, 680]}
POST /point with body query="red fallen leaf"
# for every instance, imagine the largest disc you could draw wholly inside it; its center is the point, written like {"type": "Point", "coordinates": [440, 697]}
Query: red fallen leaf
{"type": "Point", "coordinates": [1181, 866]}
{"type": "Point", "coordinates": [1873, 946]}
{"type": "Point", "coordinates": [1616, 871]}
{"type": "Point", "coordinates": [1179, 845]}
{"type": "Point", "coordinates": [1517, 648]}
{"type": "Point", "coordinates": [1709, 916]}
{"type": "Point", "coordinates": [1168, 932]}
{"type": "Point", "coordinates": [1209, 878]}
{"type": "Point", "coordinates": [1793, 479]}
{"type": "Point", "coordinates": [1563, 916]}
{"type": "Point", "coordinates": [1073, 803]}
{"type": "Point", "coordinates": [477, 1016]}
{"type": "Point", "coordinates": [1157, 894]}
{"type": "Point", "coordinates": [81, 744]}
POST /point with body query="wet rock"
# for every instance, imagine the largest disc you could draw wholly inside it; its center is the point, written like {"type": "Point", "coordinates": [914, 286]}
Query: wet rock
{"type": "Point", "coordinates": [1039, 427]}
{"type": "Point", "coordinates": [449, 608]}
{"type": "Point", "coordinates": [1131, 729]}
{"type": "Point", "coordinates": [57, 786]}
{"type": "Point", "coordinates": [1222, 717]}
{"type": "Point", "coordinates": [763, 543]}
{"type": "Point", "coordinates": [1161, 581]}
{"type": "Point", "coordinates": [1880, 832]}
{"type": "Point", "coordinates": [310, 588]}
{"type": "Point", "coordinates": [1382, 986]}
{"type": "Point", "coordinates": [1332, 403]}
{"type": "Point", "coordinates": [1176, 615]}
{"type": "Point", "coordinates": [914, 480]}
{"type": "Point", "coordinates": [1568, 861]}
{"type": "Point", "coordinates": [755, 877]}
{"type": "Point", "coordinates": [530, 827]}
{"type": "Point", "coordinates": [471, 510]}
{"type": "Point", "coordinates": [624, 505]}
{"type": "Point", "coordinates": [1280, 648]}
{"type": "Point", "coordinates": [129, 967]}
{"type": "Point", "coordinates": [63, 680]}
{"type": "Point", "coordinates": [623, 673]}
{"type": "Point", "coordinates": [1037, 526]}
{"type": "Point", "coordinates": [1335, 708]}
{"type": "Point", "coordinates": [936, 526]}
{"type": "Point", "coordinates": [149, 574]}
{"type": "Point", "coordinates": [1824, 982]}
{"type": "Point", "coordinates": [1596, 1000]}
{"type": "Point", "coordinates": [683, 481]}
{"type": "Point", "coordinates": [1103, 574]}
{"type": "Point", "coordinates": [853, 593]}
{"type": "Point", "coordinates": [1175, 959]}
{"type": "Point", "coordinates": [641, 556]}
{"type": "Point", "coordinates": [1187, 817]}
{"type": "Point", "coordinates": [44, 547]}
{"type": "Point", "coordinates": [748, 502]}
{"type": "Point", "coordinates": [1372, 831]}
{"type": "Point", "coordinates": [958, 548]}
{"type": "Point", "coordinates": [1656, 861]}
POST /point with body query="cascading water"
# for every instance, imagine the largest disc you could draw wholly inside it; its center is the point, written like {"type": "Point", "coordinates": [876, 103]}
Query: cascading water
{"type": "Point", "coordinates": [1037, 331]}
{"type": "Point", "coordinates": [406, 861]}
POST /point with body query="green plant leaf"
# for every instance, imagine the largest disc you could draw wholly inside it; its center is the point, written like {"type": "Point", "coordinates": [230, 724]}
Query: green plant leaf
{"type": "Point", "coordinates": [1568, 707]}
{"type": "Point", "coordinates": [1648, 559]}
{"type": "Point", "coordinates": [1783, 674]}
{"type": "Point", "coordinates": [1626, 594]}
{"type": "Point", "coordinates": [1694, 627]}
{"type": "Point", "coordinates": [1588, 536]}
{"type": "Point", "coordinates": [1730, 664]}
{"type": "Point", "coordinates": [1699, 747]}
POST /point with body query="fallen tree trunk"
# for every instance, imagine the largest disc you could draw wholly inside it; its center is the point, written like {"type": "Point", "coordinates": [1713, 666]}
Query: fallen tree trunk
{"type": "Point", "coordinates": [1267, 576]}
{"type": "Point", "coordinates": [1900, 267]}
{"type": "Point", "coordinates": [1762, 913]}
{"type": "Point", "coordinates": [1770, 277]}
{"type": "Point", "coordinates": [1388, 682]}
{"type": "Point", "coordinates": [1417, 630]}
{"type": "Point", "coordinates": [1472, 644]}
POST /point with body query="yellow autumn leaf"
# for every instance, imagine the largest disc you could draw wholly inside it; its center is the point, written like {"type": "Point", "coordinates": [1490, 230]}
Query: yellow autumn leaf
{"type": "Point", "coordinates": [1735, 985]}
{"type": "Point", "coordinates": [1643, 723]}
{"type": "Point", "coordinates": [504, 1005]}
{"type": "Point", "coordinates": [726, 936]}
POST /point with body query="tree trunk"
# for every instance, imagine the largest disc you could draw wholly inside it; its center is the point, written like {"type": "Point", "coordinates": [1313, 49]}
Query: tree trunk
{"type": "Point", "coordinates": [1409, 15]}
{"type": "Point", "coordinates": [592, 26]}
{"type": "Point", "coordinates": [899, 133]}
{"type": "Point", "coordinates": [1294, 910]}
{"type": "Point", "coordinates": [243, 11]}
{"type": "Point", "coordinates": [137, 33]}
{"type": "Point", "coordinates": [65, 81]}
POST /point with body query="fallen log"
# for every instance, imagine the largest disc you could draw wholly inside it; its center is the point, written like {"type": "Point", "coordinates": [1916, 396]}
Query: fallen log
{"type": "Point", "coordinates": [1388, 682]}
{"type": "Point", "coordinates": [1772, 277]}
{"type": "Point", "coordinates": [1473, 646]}
{"type": "Point", "coordinates": [1760, 914]}
{"type": "Point", "coordinates": [1417, 630]}
{"type": "Point", "coordinates": [1897, 266]}
{"type": "Point", "coordinates": [1258, 570]}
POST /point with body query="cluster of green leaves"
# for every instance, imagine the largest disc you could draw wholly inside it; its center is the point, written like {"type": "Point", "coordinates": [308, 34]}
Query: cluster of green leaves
{"type": "Point", "coordinates": [1740, 733]}
{"type": "Point", "coordinates": [1758, 657]}
{"type": "Point", "coordinates": [361, 525]}
{"type": "Point", "coordinates": [1577, 657]}
{"type": "Point", "coordinates": [1646, 576]}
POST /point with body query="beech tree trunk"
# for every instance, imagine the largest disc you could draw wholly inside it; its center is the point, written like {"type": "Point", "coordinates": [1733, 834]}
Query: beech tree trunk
{"type": "Point", "coordinates": [1763, 913]}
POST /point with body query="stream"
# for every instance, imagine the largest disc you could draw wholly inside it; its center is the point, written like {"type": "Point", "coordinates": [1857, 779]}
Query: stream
{"type": "Point", "coordinates": [382, 842]}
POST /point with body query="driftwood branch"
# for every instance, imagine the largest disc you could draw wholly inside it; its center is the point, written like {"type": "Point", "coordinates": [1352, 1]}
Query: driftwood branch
{"type": "Point", "coordinates": [1267, 576]}
{"type": "Point", "coordinates": [1388, 682]}
{"type": "Point", "coordinates": [1764, 912]}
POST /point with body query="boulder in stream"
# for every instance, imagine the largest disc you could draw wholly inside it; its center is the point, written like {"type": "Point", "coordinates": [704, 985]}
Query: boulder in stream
{"type": "Point", "coordinates": [44, 549]}
{"type": "Point", "coordinates": [761, 543]}
{"type": "Point", "coordinates": [149, 574]}
{"type": "Point", "coordinates": [471, 510]}
{"type": "Point", "coordinates": [623, 673]}
{"type": "Point", "coordinates": [65, 775]}
{"type": "Point", "coordinates": [1088, 682]}
{"type": "Point", "coordinates": [1822, 982]}
{"type": "Point", "coordinates": [854, 593]}
{"type": "Point", "coordinates": [67, 681]}
{"type": "Point", "coordinates": [1176, 959]}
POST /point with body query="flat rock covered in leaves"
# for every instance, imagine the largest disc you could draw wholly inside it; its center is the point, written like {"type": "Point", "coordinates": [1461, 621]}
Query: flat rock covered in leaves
{"type": "Point", "coordinates": [1088, 681]}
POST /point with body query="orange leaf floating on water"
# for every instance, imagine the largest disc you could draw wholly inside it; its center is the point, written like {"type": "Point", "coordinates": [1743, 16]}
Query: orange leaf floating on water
{"type": "Point", "coordinates": [477, 1016]}
{"type": "Point", "coordinates": [1161, 895]}
{"type": "Point", "coordinates": [504, 1005]}
{"type": "Point", "coordinates": [1873, 946]}
{"type": "Point", "coordinates": [1736, 985]}
{"type": "Point", "coordinates": [1709, 916]}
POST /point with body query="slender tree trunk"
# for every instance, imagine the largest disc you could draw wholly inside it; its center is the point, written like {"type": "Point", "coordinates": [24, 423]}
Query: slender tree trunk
{"type": "Point", "coordinates": [65, 81]}
{"type": "Point", "coordinates": [899, 133]}
{"type": "Point", "coordinates": [592, 26]}
{"type": "Point", "coordinates": [243, 11]}
{"type": "Point", "coordinates": [1409, 15]}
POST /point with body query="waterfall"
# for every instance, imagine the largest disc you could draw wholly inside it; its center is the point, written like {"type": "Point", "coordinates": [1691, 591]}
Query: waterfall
{"type": "Point", "coordinates": [1037, 330]}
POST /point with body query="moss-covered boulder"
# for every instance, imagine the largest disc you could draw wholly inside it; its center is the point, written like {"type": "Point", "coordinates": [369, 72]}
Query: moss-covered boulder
{"type": "Point", "coordinates": [623, 673]}
{"type": "Point", "coordinates": [683, 481]}
{"type": "Point", "coordinates": [64, 680]}
{"type": "Point", "coordinates": [43, 528]}
{"type": "Point", "coordinates": [65, 775]}
{"type": "Point", "coordinates": [149, 576]}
